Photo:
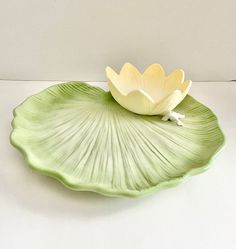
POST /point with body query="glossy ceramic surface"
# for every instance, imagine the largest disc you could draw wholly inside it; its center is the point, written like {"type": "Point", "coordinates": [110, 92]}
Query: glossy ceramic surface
{"type": "Point", "coordinates": [80, 135]}
{"type": "Point", "coordinates": [150, 93]}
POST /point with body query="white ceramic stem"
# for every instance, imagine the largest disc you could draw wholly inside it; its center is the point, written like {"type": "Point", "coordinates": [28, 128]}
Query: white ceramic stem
{"type": "Point", "coordinates": [174, 116]}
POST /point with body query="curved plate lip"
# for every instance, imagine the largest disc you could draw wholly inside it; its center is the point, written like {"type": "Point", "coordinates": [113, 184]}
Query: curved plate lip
{"type": "Point", "coordinates": [103, 190]}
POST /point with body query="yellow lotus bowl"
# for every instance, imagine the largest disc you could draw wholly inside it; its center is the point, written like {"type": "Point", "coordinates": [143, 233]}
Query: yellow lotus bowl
{"type": "Point", "coordinates": [150, 93]}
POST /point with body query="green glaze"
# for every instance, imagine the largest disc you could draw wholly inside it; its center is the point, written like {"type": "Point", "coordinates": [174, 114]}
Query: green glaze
{"type": "Point", "coordinates": [78, 134]}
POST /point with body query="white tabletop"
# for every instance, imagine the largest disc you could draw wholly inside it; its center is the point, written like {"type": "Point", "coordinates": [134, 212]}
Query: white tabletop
{"type": "Point", "coordinates": [38, 212]}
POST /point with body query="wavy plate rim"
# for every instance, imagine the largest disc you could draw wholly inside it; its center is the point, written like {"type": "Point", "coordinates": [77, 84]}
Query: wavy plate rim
{"type": "Point", "coordinates": [105, 191]}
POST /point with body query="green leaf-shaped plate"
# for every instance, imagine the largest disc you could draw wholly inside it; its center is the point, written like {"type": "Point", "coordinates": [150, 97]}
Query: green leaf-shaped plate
{"type": "Point", "coordinates": [78, 134]}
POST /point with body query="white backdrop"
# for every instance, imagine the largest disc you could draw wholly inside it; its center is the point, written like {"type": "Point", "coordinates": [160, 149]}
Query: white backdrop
{"type": "Point", "coordinates": [76, 39]}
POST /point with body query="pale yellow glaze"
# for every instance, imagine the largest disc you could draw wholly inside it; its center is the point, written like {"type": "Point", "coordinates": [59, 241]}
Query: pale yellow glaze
{"type": "Point", "coordinates": [150, 93]}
